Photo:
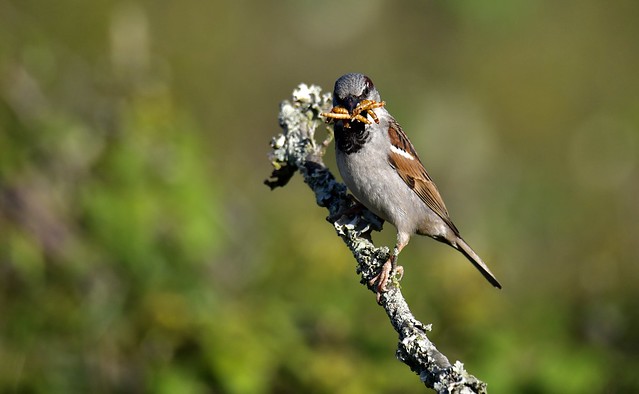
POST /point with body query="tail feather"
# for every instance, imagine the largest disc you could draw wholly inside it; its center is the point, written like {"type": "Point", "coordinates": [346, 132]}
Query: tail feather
{"type": "Point", "coordinates": [463, 247]}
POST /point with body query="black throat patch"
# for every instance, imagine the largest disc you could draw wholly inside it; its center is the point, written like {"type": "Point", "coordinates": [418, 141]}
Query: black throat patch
{"type": "Point", "coordinates": [351, 140]}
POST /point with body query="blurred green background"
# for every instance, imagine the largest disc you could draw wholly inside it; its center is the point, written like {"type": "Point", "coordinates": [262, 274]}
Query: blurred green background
{"type": "Point", "coordinates": [140, 251]}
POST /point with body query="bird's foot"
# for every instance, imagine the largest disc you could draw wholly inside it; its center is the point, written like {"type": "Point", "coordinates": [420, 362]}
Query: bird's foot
{"type": "Point", "coordinates": [388, 270]}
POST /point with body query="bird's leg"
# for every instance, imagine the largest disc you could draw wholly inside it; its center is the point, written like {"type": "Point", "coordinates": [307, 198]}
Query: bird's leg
{"type": "Point", "coordinates": [389, 268]}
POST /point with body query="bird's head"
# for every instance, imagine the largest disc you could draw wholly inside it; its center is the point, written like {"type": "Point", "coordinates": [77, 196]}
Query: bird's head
{"type": "Point", "coordinates": [351, 89]}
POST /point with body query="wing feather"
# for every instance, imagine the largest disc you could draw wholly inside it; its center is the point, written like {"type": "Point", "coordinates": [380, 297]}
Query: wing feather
{"type": "Point", "coordinates": [405, 161]}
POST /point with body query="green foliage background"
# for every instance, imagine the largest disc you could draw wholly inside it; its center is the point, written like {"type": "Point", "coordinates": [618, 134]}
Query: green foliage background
{"type": "Point", "coordinates": [140, 252]}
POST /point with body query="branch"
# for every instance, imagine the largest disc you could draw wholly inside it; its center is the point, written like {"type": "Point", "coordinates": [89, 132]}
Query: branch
{"type": "Point", "coordinates": [296, 149]}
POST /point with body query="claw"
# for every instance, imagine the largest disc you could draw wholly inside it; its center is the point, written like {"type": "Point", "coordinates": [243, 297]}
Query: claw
{"type": "Point", "coordinates": [389, 269]}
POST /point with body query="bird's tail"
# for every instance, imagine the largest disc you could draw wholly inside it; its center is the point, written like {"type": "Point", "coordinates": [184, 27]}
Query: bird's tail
{"type": "Point", "coordinates": [463, 247]}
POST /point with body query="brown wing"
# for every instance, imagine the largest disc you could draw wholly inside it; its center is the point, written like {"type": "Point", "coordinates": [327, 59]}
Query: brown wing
{"type": "Point", "coordinates": [405, 161]}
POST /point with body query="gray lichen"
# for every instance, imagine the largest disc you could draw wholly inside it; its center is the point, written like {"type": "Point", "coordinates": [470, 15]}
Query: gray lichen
{"type": "Point", "coordinates": [295, 149]}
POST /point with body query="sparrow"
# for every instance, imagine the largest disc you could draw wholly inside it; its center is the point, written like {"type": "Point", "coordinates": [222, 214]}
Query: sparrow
{"type": "Point", "coordinates": [381, 168]}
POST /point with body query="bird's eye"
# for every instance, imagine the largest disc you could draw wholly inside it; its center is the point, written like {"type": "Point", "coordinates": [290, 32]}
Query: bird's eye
{"type": "Point", "coordinates": [368, 85]}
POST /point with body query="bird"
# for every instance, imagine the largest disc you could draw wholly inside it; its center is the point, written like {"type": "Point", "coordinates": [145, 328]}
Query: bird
{"type": "Point", "coordinates": [382, 170]}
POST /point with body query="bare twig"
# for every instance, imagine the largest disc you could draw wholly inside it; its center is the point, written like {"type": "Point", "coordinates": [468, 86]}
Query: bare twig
{"type": "Point", "coordinates": [295, 149]}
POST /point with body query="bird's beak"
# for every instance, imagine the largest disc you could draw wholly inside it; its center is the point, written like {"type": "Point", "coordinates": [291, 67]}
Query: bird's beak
{"type": "Point", "coordinates": [351, 103]}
